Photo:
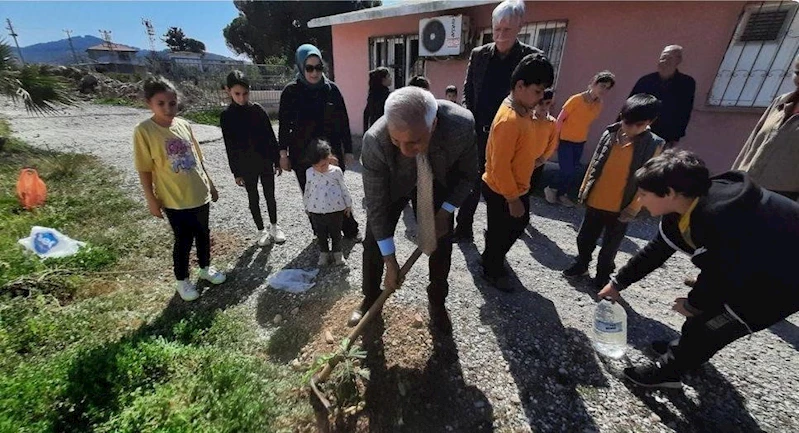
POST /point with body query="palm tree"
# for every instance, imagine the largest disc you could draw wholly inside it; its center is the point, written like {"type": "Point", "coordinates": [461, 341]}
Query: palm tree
{"type": "Point", "coordinates": [40, 92]}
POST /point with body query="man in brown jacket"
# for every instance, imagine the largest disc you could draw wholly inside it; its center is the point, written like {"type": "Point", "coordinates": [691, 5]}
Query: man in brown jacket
{"type": "Point", "coordinates": [771, 156]}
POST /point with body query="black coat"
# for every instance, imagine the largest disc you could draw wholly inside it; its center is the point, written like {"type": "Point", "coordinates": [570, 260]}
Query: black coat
{"type": "Point", "coordinates": [249, 139]}
{"type": "Point", "coordinates": [306, 114]}
{"type": "Point", "coordinates": [375, 106]}
{"type": "Point", "coordinates": [746, 241]}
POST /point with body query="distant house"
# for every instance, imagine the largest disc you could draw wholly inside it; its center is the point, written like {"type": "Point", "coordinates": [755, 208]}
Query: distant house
{"type": "Point", "coordinates": [110, 57]}
{"type": "Point", "coordinates": [738, 52]}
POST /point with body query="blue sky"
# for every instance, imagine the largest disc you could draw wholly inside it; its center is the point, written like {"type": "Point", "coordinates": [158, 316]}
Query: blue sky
{"type": "Point", "coordinates": [36, 21]}
{"type": "Point", "coordinates": [43, 21]}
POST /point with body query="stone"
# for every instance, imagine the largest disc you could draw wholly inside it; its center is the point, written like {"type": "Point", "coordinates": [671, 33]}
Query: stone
{"type": "Point", "coordinates": [295, 311]}
{"type": "Point", "coordinates": [88, 83]}
{"type": "Point", "coordinates": [329, 339]}
{"type": "Point", "coordinates": [515, 399]}
{"type": "Point", "coordinates": [278, 318]}
{"type": "Point", "coordinates": [418, 321]}
{"type": "Point", "coordinates": [479, 404]}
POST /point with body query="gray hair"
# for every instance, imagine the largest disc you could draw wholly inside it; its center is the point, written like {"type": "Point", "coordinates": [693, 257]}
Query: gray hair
{"type": "Point", "coordinates": [511, 10]}
{"type": "Point", "coordinates": [411, 105]}
{"type": "Point", "coordinates": [676, 48]}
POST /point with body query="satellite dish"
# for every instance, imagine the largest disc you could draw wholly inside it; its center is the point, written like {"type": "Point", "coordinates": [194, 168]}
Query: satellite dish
{"type": "Point", "coordinates": [433, 35]}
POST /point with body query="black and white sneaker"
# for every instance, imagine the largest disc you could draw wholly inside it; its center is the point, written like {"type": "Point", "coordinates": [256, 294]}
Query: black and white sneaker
{"type": "Point", "coordinates": [653, 376]}
{"type": "Point", "coordinates": [576, 270]}
{"type": "Point", "coordinates": [661, 347]}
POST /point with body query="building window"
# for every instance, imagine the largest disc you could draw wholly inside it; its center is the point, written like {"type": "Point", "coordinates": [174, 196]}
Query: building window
{"type": "Point", "coordinates": [400, 54]}
{"type": "Point", "coordinates": [758, 61]}
{"type": "Point", "coordinates": [549, 36]}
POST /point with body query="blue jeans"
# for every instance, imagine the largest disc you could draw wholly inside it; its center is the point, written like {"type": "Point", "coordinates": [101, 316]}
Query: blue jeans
{"type": "Point", "coordinates": [569, 154]}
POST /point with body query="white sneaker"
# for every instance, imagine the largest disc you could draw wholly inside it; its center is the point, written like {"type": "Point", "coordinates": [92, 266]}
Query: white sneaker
{"type": "Point", "coordinates": [186, 290]}
{"type": "Point", "coordinates": [566, 201]}
{"type": "Point", "coordinates": [277, 234]}
{"type": "Point", "coordinates": [324, 259]}
{"type": "Point", "coordinates": [551, 195]}
{"type": "Point", "coordinates": [264, 237]}
{"type": "Point", "coordinates": [211, 275]}
{"type": "Point", "coordinates": [338, 259]}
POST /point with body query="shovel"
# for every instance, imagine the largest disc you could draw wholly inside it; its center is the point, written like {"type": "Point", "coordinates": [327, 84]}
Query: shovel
{"type": "Point", "coordinates": [374, 310]}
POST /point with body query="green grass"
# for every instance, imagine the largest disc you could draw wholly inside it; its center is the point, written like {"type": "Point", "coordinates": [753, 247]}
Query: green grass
{"type": "Point", "coordinates": [209, 116]}
{"type": "Point", "coordinates": [86, 346]}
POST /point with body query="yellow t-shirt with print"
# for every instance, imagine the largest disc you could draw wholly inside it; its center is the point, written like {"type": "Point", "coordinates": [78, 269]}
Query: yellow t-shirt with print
{"type": "Point", "coordinates": [174, 157]}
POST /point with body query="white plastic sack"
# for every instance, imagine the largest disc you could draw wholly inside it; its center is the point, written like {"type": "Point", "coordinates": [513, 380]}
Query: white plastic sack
{"type": "Point", "coordinates": [50, 243]}
{"type": "Point", "coordinates": [293, 280]}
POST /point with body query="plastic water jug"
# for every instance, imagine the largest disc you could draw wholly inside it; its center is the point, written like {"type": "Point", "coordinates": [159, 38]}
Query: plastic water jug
{"type": "Point", "coordinates": [610, 329]}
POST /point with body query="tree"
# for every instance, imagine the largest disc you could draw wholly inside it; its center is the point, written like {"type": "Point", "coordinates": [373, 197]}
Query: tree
{"type": "Point", "coordinates": [40, 92]}
{"type": "Point", "coordinates": [276, 28]}
{"type": "Point", "coordinates": [176, 40]}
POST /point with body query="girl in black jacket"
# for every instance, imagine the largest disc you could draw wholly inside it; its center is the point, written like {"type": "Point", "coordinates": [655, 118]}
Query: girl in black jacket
{"type": "Point", "coordinates": [743, 238]}
{"type": "Point", "coordinates": [253, 153]}
{"type": "Point", "coordinates": [312, 108]}
{"type": "Point", "coordinates": [379, 80]}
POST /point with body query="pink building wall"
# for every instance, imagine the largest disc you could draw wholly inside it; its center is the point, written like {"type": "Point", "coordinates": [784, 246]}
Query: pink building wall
{"type": "Point", "coordinates": [629, 48]}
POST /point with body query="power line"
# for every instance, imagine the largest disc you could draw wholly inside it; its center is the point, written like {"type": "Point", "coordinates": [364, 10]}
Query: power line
{"type": "Point", "coordinates": [106, 34]}
{"type": "Point", "coordinates": [71, 47]}
{"type": "Point", "coordinates": [14, 35]}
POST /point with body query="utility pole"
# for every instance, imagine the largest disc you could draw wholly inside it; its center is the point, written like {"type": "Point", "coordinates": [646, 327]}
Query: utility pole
{"type": "Point", "coordinates": [14, 35]}
{"type": "Point", "coordinates": [71, 47]}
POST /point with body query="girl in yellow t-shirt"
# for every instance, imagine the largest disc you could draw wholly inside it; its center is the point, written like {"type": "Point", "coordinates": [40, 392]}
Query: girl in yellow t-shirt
{"type": "Point", "coordinates": [574, 121]}
{"type": "Point", "coordinates": [175, 182]}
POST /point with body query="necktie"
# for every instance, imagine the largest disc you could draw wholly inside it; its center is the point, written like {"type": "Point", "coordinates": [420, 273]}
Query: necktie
{"type": "Point", "coordinates": [424, 203]}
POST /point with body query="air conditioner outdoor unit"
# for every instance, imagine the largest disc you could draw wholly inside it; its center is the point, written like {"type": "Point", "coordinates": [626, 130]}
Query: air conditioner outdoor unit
{"type": "Point", "coordinates": [443, 36]}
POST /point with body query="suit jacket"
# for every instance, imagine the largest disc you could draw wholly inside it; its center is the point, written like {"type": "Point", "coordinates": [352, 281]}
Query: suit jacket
{"type": "Point", "coordinates": [478, 64]}
{"type": "Point", "coordinates": [389, 176]}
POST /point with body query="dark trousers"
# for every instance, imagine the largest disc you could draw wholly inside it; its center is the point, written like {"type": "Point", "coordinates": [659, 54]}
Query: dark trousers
{"type": "Point", "coordinates": [439, 262]}
{"type": "Point", "coordinates": [535, 178]}
{"type": "Point", "coordinates": [702, 336]}
{"type": "Point", "coordinates": [569, 154]}
{"type": "Point", "coordinates": [268, 184]}
{"type": "Point", "coordinates": [328, 226]}
{"type": "Point", "coordinates": [189, 226]}
{"type": "Point", "coordinates": [466, 212]}
{"type": "Point", "coordinates": [503, 230]}
{"type": "Point", "coordinates": [350, 226]}
{"type": "Point", "coordinates": [594, 223]}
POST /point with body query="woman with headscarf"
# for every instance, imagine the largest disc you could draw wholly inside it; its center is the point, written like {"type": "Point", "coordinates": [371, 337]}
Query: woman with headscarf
{"type": "Point", "coordinates": [312, 107]}
{"type": "Point", "coordinates": [379, 80]}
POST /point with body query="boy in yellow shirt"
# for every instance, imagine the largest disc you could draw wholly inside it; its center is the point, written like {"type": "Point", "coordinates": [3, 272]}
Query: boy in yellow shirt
{"type": "Point", "coordinates": [546, 132]}
{"type": "Point", "coordinates": [574, 122]}
{"type": "Point", "coordinates": [511, 153]}
{"type": "Point", "coordinates": [609, 189]}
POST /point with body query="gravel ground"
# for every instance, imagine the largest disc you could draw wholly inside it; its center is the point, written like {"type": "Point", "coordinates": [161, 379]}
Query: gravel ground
{"type": "Point", "coordinates": [516, 362]}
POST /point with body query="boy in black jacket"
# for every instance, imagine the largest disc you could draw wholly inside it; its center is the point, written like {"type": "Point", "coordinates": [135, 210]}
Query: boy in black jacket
{"type": "Point", "coordinates": [253, 153]}
{"type": "Point", "coordinates": [609, 189]}
{"type": "Point", "coordinates": [743, 238]}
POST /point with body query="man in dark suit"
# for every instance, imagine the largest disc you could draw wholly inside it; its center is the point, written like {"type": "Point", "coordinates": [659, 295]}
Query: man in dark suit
{"type": "Point", "coordinates": [675, 90]}
{"type": "Point", "coordinates": [420, 144]}
{"type": "Point", "coordinates": [487, 84]}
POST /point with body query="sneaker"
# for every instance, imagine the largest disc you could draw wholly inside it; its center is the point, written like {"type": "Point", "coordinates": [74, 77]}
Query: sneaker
{"type": "Point", "coordinates": [324, 259]}
{"type": "Point", "coordinates": [566, 201]}
{"type": "Point", "coordinates": [551, 195]}
{"type": "Point", "coordinates": [277, 234]}
{"type": "Point", "coordinates": [186, 290]}
{"type": "Point", "coordinates": [653, 376]}
{"type": "Point", "coordinates": [576, 270]}
{"type": "Point", "coordinates": [357, 237]}
{"type": "Point", "coordinates": [211, 275]}
{"type": "Point", "coordinates": [264, 237]}
{"type": "Point", "coordinates": [662, 347]}
{"type": "Point", "coordinates": [338, 259]}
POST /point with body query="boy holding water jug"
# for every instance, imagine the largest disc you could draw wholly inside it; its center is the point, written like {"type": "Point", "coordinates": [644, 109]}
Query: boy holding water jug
{"type": "Point", "coordinates": [743, 238]}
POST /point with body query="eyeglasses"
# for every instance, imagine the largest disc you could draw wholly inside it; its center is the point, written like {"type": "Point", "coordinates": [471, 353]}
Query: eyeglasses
{"type": "Point", "coordinates": [310, 68]}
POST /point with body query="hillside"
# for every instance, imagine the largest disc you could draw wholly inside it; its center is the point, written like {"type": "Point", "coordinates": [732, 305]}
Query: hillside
{"type": "Point", "coordinates": [59, 53]}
